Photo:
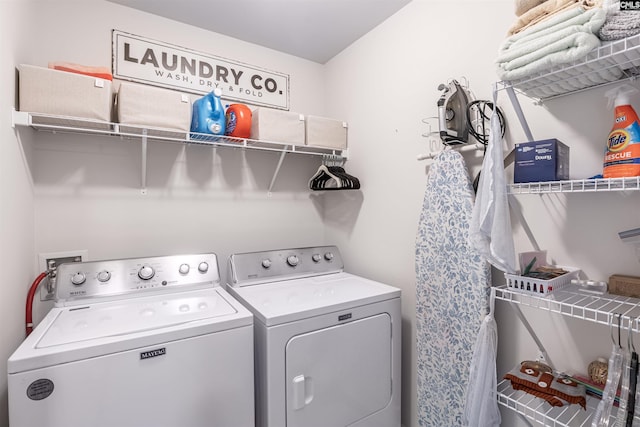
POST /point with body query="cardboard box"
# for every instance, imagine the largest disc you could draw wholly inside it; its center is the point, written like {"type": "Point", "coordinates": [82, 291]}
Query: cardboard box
{"type": "Point", "coordinates": [152, 108]}
{"type": "Point", "coordinates": [323, 132]}
{"type": "Point", "coordinates": [628, 286]}
{"type": "Point", "coordinates": [272, 125]}
{"type": "Point", "coordinates": [47, 91]}
{"type": "Point", "coordinates": [537, 161]}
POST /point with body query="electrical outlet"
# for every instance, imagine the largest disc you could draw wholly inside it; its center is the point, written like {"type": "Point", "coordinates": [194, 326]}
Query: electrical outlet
{"type": "Point", "coordinates": [54, 259]}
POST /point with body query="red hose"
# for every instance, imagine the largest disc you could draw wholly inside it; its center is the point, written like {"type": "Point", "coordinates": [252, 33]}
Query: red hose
{"type": "Point", "coordinates": [30, 296]}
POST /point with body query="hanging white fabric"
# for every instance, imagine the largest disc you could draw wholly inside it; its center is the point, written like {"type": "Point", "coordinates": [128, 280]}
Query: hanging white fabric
{"type": "Point", "coordinates": [481, 403]}
{"type": "Point", "coordinates": [490, 230]}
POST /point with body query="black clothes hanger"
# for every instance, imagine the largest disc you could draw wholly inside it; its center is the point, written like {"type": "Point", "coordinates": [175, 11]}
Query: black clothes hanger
{"type": "Point", "coordinates": [332, 176]}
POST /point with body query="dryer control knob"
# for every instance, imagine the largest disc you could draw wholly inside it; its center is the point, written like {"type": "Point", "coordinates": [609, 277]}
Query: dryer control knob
{"type": "Point", "coordinates": [293, 260]}
{"type": "Point", "coordinates": [203, 267]}
{"type": "Point", "coordinates": [266, 263]}
{"type": "Point", "coordinates": [104, 276]}
{"type": "Point", "coordinates": [328, 256]}
{"type": "Point", "coordinates": [316, 257]}
{"type": "Point", "coordinates": [146, 272]}
{"type": "Point", "coordinates": [184, 268]}
{"type": "Point", "coordinates": [79, 278]}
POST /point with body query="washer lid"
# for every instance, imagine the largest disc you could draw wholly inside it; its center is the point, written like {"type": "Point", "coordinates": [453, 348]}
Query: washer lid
{"type": "Point", "coordinates": [74, 333]}
{"type": "Point", "coordinates": [290, 300]}
{"type": "Point", "coordinates": [84, 323]}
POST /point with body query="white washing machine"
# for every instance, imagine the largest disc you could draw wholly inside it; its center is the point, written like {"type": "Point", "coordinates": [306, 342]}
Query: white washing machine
{"type": "Point", "coordinates": [327, 342]}
{"type": "Point", "coordinates": [137, 342]}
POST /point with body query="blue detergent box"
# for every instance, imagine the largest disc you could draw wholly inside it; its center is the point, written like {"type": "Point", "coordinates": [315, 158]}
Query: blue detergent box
{"type": "Point", "coordinates": [544, 160]}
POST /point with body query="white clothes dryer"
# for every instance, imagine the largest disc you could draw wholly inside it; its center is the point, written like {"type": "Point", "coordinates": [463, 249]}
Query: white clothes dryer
{"type": "Point", "coordinates": [137, 342]}
{"type": "Point", "coordinates": [327, 343]}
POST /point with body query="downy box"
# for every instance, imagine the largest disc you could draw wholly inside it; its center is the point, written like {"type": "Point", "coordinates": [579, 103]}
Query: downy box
{"type": "Point", "coordinates": [61, 93]}
{"type": "Point", "coordinates": [324, 132]}
{"type": "Point", "coordinates": [141, 106]}
{"type": "Point", "coordinates": [538, 161]}
{"type": "Point", "coordinates": [272, 125]}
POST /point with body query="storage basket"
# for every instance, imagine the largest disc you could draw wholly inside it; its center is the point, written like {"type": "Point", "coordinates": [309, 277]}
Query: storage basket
{"type": "Point", "coordinates": [534, 286]}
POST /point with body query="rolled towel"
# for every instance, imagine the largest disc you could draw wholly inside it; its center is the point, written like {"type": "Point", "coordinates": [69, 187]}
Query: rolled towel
{"type": "Point", "coordinates": [547, 10]}
{"type": "Point", "coordinates": [524, 5]}
{"type": "Point", "coordinates": [620, 24]}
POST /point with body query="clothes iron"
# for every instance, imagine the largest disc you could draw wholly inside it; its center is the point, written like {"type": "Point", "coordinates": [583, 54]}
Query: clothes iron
{"type": "Point", "coordinates": [452, 113]}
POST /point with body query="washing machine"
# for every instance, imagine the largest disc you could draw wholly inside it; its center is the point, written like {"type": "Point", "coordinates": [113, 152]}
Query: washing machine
{"type": "Point", "coordinates": [327, 343]}
{"type": "Point", "coordinates": [137, 342]}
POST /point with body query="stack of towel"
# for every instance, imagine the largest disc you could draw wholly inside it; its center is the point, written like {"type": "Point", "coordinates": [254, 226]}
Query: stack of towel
{"type": "Point", "coordinates": [555, 32]}
{"type": "Point", "coordinates": [619, 24]}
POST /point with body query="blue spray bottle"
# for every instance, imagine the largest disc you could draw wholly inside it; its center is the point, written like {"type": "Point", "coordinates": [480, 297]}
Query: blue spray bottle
{"type": "Point", "coordinates": [208, 114]}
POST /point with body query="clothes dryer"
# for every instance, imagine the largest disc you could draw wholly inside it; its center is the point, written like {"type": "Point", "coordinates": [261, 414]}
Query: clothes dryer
{"type": "Point", "coordinates": [137, 342]}
{"type": "Point", "coordinates": [327, 343]}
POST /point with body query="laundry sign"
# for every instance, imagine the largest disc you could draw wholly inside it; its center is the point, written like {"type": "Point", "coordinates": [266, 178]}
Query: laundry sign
{"type": "Point", "coordinates": [156, 63]}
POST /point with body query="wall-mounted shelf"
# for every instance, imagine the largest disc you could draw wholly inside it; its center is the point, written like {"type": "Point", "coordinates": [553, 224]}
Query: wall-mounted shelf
{"type": "Point", "coordinates": [576, 186]}
{"type": "Point", "coordinates": [539, 411]}
{"type": "Point", "coordinates": [573, 302]}
{"type": "Point", "coordinates": [62, 124]}
{"type": "Point", "coordinates": [611, 62]}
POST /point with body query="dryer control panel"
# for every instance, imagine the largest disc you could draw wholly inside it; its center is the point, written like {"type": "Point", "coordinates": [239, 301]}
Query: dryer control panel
{"type": "Point", "coordinates": [262, 267]}
{"type": "Point", "coordinates": [124, 277]}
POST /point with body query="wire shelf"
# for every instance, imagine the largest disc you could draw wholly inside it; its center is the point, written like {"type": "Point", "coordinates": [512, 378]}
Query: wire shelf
{"type": "Point", "coordinates": [576, 186]}
{"type": "Point", "coordinates": [573, 302]}
{"type": "Point", "coordinates": [63, 124]}
{"type": "Point", "coordinates": [539, 411]}
{"type": "Point", "coordinates": [611, 62]}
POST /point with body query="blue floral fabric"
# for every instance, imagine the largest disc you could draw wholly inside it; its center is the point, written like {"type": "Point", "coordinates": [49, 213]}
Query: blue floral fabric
{"type": "Point", "coordinates": [452, 293]}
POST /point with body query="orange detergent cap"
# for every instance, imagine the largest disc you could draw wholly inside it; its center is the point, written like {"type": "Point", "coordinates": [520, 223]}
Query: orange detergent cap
{"type": "Point", "coordinates": [238, 121]}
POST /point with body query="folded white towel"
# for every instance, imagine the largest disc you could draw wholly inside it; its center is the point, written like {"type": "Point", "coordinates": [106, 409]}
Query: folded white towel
{"type": "Point", "coordinates": [561, 39]}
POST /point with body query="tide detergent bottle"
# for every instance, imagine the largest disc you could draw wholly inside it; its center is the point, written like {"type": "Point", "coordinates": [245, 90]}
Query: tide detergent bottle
{"type": "Point", "coordinates": [208, 114]}
{"type": "Point", "coordinates": [622, 154]}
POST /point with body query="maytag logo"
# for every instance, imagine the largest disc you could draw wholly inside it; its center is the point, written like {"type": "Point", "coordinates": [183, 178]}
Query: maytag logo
{"type": "Point", "coordinates": [153, 353]}
{"type": "Point", "coordinates": [629, 5]}
{"type": "Point", "coordinates": [344, 317]}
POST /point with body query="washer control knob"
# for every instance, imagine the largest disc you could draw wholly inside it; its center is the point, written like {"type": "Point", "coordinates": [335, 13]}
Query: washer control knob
{"type": "Point", "coordinates": [184, 268]}
{"type": "Point", "coordinates": [203, 267]}
{"type": "Point", "coordinates": [104, 276]}
{"type": "Point", "coordinates": [292, 260]}
{"type": "Point", "coordinates": [328, 256]}
{"type": "Point", "coordinates": [146, 272]}
{"type": "Point", "coordinates": [316, 257]}
{"type": "Point", "coordinates": [79, 278]}
{"type": "Point", "coordinates": [266, 263]}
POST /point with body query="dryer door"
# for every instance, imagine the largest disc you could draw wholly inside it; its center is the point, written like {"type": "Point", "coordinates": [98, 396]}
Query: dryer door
{"type": "Point", "coordinates": [339, 375]}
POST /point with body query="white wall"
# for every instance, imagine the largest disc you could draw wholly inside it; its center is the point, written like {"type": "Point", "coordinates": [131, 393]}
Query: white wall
{"type": "Point", "coordinates": [16, 201]}
{"type": "Point", "coordinates": [384, 84]}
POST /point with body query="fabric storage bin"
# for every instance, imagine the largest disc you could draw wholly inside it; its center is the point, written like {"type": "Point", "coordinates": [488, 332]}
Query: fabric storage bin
{"type": "Point", "coordinates": [323, 132]}
{"type": "Point", "coordinates": [272, 125]}
{"type": "Point", "coordinates": [140, 107]}
{"type": "Point", "coordinates": [61, 93]}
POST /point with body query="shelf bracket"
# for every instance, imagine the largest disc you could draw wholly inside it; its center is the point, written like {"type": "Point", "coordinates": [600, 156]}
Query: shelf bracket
{"type": "Point", "coordinates": [518, 109]}
{"type": "Point", "coordinates": [143, 178]}
{"type": "Point", "coordinates": [543, 356]}
{"type": "Point", "coordinates": [278, 166]}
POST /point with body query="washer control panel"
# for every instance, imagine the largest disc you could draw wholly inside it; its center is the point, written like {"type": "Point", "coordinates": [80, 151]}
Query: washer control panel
{"type": "Point", "coordinates": [261, 267]}
{"type": "Point", "coordinates": [114, 278]}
